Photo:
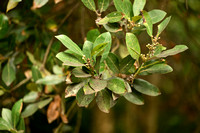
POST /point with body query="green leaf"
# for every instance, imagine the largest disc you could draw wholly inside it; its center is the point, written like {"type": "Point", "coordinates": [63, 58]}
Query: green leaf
{"type": "Point", "coordinates": [35, 73]}
{"type": "Point", "coordinates": [104, 38]}
{"type": "Point", "coordinates": [57, 69]}
{"type": "Point", "coordinates": [30, 110]}
{"type": "Point", "coordinates": [157, 68]}
{"type": "Point", "coordinates": [21, 125]}
{"type": "Point", "coordinates": [87, 49]}
{"type": "Point", "coordinates": [133, 45]}
{"type": "Point", "coordinates": [145, 87]}
{"type": "Point", "coordinates": [4, 25]}
{"type": "Point", "coordinates": [69, 59]}
{"type": "Point", "coordinates": [177, 49]}
{"type": "Point", "coordinates": [114, 17]}
{"type": "Point", "coordinates": [12, 4]}
{"type": "Point", "coordinates": [138, 6]}
{"type": "Point", "coordinates": [69, 44]}
{"type": "Point", "coordinates": [87, 89]}
{"type": "Point", "coordinates": [159, 48]}
{"type": "Point", "coordinates": [116, 85]}
{"type": "Point", "coordinates": [97, 51]}
{"type": "Point", "coordinates": [51, 80]}
{"type": "Point", "coordinates": [112, 27]}
{"type": "Point", "coordinates": [148, 23]}
{"type": "Point", "coordinates": [45, 102]}
{"type": "Point", "coordinates": [103, 100]}
{"type": "Point", "coordinates": [8, 73]}
{"type": "Point", "coordinates": [163, 25]}
{"type": "Point", "coordinates": [72, 90]}
{"type": "Point", "coordinates": [157, 15]}
{"type": "Point", "coordinates": [126, 64]}
{"type": "Point", "coordinates": [32, 59]}
{"type": "Point", "coordinates": [97, 84]}
{"type": "Point", "coordinates": [92, 35]}
{"type": "Point", "coordinates": [16, 110]}
{"type": "Point", "coordinates": [119, 5]}
{"type": "Point", "coordinates": [84, 100]}
{"type": "Point", "coordinates": [4, 125]}
{"type": "Point", "coordinates": [32, 96]}
{"type": "Point", "coordinates": [79, 73]}
{"type": "Point", "coordinates": [134, 98]}
{"type": "Point", "coordinates": [103, 5]}
{"type": "Point", "coordinates": [136, 18]}
{"type": "Point", "coordinates": [103, 21]}
{"type": "Point", "coordinates": [128, 87]}
{"type": "Point", "coordinates": [7, 115]}
{"type": "Point", "coordinates": [113, 63]}
{"type": "Point", "coordinates": [89, 4]}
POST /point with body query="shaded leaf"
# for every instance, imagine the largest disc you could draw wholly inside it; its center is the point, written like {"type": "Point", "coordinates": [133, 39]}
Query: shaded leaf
{"type": "Point", "coordinates": [35, 73]}
{"type": "Point", "coordinates": [79, 73]}
{"type": "Point", "coordinates": [69, 44]}
{"type": "Point", "coordinates": [97, 51]}
{"type": "Point", "coordinates": [3, 25]}
{"type": "Point", "coordinates": [32, 96]}
{"type": "Point", "coordinates": [126, 64]}
{"type": "Point", "coordinates": [157, 15]}
{"type": "Point", "coordinates": [87, 49]}
{"type": "Point", "coordinates": [92, 35]}
{"type": "Point", "coordinates": [116, 85]}
{"type": "Point", "coordinates": [133, 45]}
{"type": "Point", "coordinates": [51, 80]}
{"type": "Point", "coordinates": [103, 5]}
{"type": "Point", "coordinates": [163, 25]}
{"type": "Point", "coordinates": [103, 100]}
{"type": "Point", "coordinates": [72, 90]}
{"type": "Point", "coordinates": [177, 49]}
{"type": "Point", "coordinates": [145, 87]}
{"type": "Point", "coordinates": [21, 125]}
{"type": "Point", "coordinates": [84, 100]}
{"type": "Point", "coordinates": [8, 73]}
{"type": "Point", "coordinates": [134, 98]}
{"type": "Point", "coordinates": [16, 110]}
{"type": "Point", "coordinates": [7, 116]}
{"type": "Point", "coordinates": [113, 63]}
{"type": "Point", "coordinates": [112, 27]}
{"type": "Point", "coordinates": [89, 4]}
{"type": "Point", "coordinates": [30, 110]}
{"type": "Point", "coordinates": [138, 6]}
{"type": "Point", "coordinates": [45, 102]}
{"type": "Point", "coordinates": [12, 4]}
{"type": "Point", "coordinates": [148, 23]}
{"type": "Point", "coordinates": [111, 18]}
{"type": "Point", "coordinates": [87, 89]}
{"type": "Point", "coordinates": [97, 84]}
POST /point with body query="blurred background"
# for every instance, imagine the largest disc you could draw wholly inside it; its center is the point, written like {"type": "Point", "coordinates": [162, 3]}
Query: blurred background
{"type": "Point", "coordinates": [177, 110]}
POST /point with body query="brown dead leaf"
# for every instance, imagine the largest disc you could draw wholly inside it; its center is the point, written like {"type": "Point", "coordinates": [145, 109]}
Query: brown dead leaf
{"type": "Point", "coordinates": [28, 74]}
{"type": "Point", "coordinates": [53, 111]}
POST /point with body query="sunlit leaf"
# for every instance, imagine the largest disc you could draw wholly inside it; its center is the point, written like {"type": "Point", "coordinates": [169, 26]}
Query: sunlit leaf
{"type": "Point", "coordinates": [32, 96]}
{"type": "Point", "coordinates": [38, 3]}
{"type": "Point", "coordinates": [112, 27]}
{"type": "Point", "coordinates": [87, 49]}
{"type": "Point", "coordinates": [12, 4]}
{"type": "Point", "coordinates": [16, 110]}
{"type": "Point", "coordinates": [163, 25]}
{"type": "Point", "coordinates": [4, 125]}
{"type": "Point", "coordinates": [148, 23]}
{"type": "Point", "coordinates": [7, 115]}
{"type": "Point", "coordinates": [89, 4]}
{"type": "Point", "coordinates": [138, 6]}
{"type": "Point", "coordinates": [87, 89]}
{"type": "Point", "coordinates": [30, 110]}
{"type": "Point", "coordinates": [156, 15]}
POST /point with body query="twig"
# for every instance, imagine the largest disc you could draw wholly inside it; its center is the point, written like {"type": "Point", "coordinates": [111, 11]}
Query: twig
{"type": "Point", "coordinates": [79, 119]}
{"type": "Point", "coordinates": [52, 39]}
{"type": "Point", "coordinates": [20, 84]}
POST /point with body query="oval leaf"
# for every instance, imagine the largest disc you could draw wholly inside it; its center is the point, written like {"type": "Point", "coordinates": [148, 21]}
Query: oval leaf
{"type": "Point", "coordinates": [103, 5]}
{"type": "Point", "coordinates": [92, 35]}
{"type": "Point", "coordinates": [97, 84]}
{"type": "Point", "coordinates": [116, 85]}
{"type": "Point", "coordinates": [31, 97]}
{"type": "Point", "coordinates": [16, 110]}
{"type": "Point", "coordinates": [148, 23]}
{"type": "Point", "coordinates": [138, 6]}
{"type": "Point", "coordinates": [84, 100]}
{"type": "Point", "coordinates": [145, 87]}
{"type": "Point", "coordinates": [4, 125]}
{"type": "Point", "coordinates": [89, 4]}
{"type": "Point", "coordinates": [12, 4]}
{"type": "Point", "coordinates": [157, 15]}
{"type": "Point", "coordinates": [163, 25]}
{"type": "Point", "coordinates": [134, 98]}
{"type": "Point", "coordinates": [7, 115]}
{"type": "Point", "coordinates": [113, 63]}
{"type": "Point", "coordinates": [51, 80]}
{"type": "Point", "coordinates": [8, 73]}
{"type": "Point", "coordinates": [30, 110]}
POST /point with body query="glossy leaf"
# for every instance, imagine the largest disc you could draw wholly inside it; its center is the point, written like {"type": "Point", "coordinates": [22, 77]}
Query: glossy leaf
{"type": "Point", "coordinates": [7, 115]}
{"type": "Point", "coordinates": [103, 100]}
{"type": "Point", "coordinates": [157, 68]}
{"type": "Point", "coordinates": [68, 59]}
{"type": "Point", "coordinates": [84, 100]}
{"type": "Point", "coordinates": [89, 4]}
{"type": "Point", "coordinates": [51, 80]}
{"type": "Point", "coordinates": [30, 110]}
{"type": "Point", "coordinates": [177, 49]}
{"type": "Point", "coordinates": [133, 45]}
{"type": "Point", "coordinates": [79, 73]}
{"type": "Point", "coordinates": [134, 98]}
{"type": "Point", "coordinates": [97, 84]}
{"type": "Point", "coordinates": [92, 35]}
{"type": "Point", "coordinates": [138, 6]}
{"type": "Point", "coordinates": [72, 90]}
{"type": "Point", "coordinates": [157, 15]}
{"type": "Point", "coordinates": [87, 49]}
{"type": "Point", "coordinates": [4, 25]}
{"type": "Point", "coordinates": [163, 25]}
{"type": "Point", "coordinates": [69, 44]}
{"type": "Point", "coordinates": [145, 87]}
{"type": "Point", "coordinates": [16, 110]}
{"type": "Point", "coordinates": [4, 125]}
{"type": "Point", "coordinates": [12, 4]}
{"type": "Point", "coordinates": [126, 64]}
{"type": "Point", "coordinates": [32, 96]}
{"type": "Point", "coordinates": [45, 102]}
{"type": "Point", "coordinates": [113, 63]}
{"type": "Point", "coordinates": [148, 23]}
{"type": "Point", "coordinates": [103, 5]}
{"type": "Point", "coordinates": [116, 85]}
{"type": "Point", "coordinates": [8, 73]}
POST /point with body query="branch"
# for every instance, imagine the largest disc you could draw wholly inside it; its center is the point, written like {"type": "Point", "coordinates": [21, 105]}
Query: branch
{"type": "Point", "coordinates": [20, 84]}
